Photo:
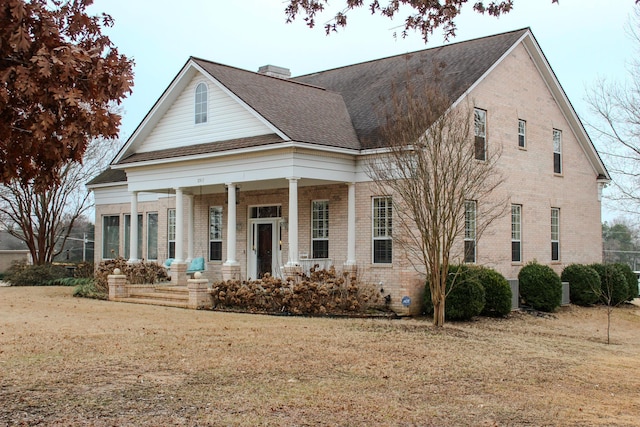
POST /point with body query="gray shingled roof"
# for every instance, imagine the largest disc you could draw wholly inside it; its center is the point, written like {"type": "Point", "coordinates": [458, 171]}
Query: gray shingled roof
{"type": "Point", "coordinates": [109, 176]}
{"type": "Point", "coordinates": [210, 147]}
{"type": "Point", "coordinates": [338, 107]}
{"type": "Point", "coordinates": [304, 113]}
{"type": "Point", "coordinates": [364, 85]}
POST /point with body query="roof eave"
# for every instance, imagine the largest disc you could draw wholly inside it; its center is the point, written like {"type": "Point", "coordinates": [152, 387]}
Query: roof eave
{"type": "Point", "coordinates": [219, 154]}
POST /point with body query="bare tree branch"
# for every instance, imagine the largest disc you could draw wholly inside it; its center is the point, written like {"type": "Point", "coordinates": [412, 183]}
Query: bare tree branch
{"type": "Point", "coordinates": [431, 171]}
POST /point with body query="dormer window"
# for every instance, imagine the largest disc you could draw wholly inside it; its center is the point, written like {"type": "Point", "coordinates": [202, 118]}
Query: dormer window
{"type": "Point", "coordinates": [201, 103]}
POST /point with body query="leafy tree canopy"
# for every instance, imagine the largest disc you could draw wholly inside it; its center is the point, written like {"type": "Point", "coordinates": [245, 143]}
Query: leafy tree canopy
{"type": "Point", "coordinates": [59, 80]}
{"type": "Point", "coordinates": [425, 15]}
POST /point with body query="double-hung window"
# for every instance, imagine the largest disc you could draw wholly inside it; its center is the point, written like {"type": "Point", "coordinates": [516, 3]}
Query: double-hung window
{"type": "Point", "coordinates": [557, 151]}
{"type": "Point", "coordinates": [152, 236]}
{"type": "Point", "coordinates": [480, 121]}
{"type": "Point", "coordinates": [171, 233]}
{"type": "Point", "coordinates": [127, 236]}
{"type": "Point", "coordinates": [555, 234]}
{"type": "Point", "coordinates": [215, 233]}
{"type": "Point", "coordinates": [320, 228]}
{"type": "Point", "coordinates": [110, 236]}
{"type": "Point", "coordinates": [201, 103]}
{"type": "Point", "coordinates": [470, 212]}
{"type": "Point", "coordinates": [522, 133]}
{"type": "Point", "coordinates": [516, 233]}
{"type": "Point", "coordinates": [382, 228]}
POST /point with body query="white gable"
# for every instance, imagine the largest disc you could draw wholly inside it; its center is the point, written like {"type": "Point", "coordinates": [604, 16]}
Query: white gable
{"type": "Point", "coordinates": [226, 119]}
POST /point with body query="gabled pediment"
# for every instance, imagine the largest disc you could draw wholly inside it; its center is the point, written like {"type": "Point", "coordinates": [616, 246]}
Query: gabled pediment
{"type": "Point", "coordinates": [171, 123]}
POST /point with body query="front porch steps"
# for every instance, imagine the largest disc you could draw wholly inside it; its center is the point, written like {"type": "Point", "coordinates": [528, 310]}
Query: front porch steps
{"type": "Point", "coordinates": [169, 296]}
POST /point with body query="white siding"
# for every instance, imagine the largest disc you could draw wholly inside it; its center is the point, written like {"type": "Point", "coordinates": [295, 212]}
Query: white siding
{"type": "Point", "coordinates": [245, 168]}
{"type": "Point", "coordinates": [119, 194]}
{"type": "Point", "coordinates": [226, 119]}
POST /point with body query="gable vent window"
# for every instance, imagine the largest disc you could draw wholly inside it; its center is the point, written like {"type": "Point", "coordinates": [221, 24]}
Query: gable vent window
{"type": "Point", "coordinates": [201, 103]}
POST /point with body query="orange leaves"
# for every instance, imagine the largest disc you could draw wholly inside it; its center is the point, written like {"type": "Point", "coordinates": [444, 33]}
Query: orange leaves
{"type": "Point", "coordinates": [59, 76]}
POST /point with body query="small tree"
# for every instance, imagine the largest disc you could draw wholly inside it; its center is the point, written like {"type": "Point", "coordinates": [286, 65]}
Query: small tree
{"type": "Point", "coordinates": [612, 290]}
{"type": "Point", "coordinates": [431, 169]}
{"type": "Point", "coordinates": [45, 218]}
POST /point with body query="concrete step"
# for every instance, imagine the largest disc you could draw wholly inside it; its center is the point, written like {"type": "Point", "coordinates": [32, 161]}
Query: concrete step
{"type": "Point", "coordinates": [152, 301]}
{"type": "Point", "coordinates": [170, 296]}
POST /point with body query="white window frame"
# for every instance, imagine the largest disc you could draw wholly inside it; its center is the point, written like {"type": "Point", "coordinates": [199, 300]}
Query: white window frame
{"type": "Point", "coordinates": [557, 151]}
{"type": "Point", "coordinates": [319, 226]}
{"type": "Point", "coordinates": [522, 133]}
{"type": "Point", "coordinates": [555, 234]}
{"type": "Point", "coordinates": [470, 229]}
{"type": "Point", "coordinates": [116, 249]}
{"type": "Point", "coordinates": [215, 230]}
{"type": "Point", "coordinates": [382, 227]}
{"type": "Point", "coordinates": [171, 232]}
{"type": "Point", "coordinates": [201, 103]}
{"type": "Point", "coordinates": [516, 232]}
{"type": "Point", "coordinates": [480, 132]}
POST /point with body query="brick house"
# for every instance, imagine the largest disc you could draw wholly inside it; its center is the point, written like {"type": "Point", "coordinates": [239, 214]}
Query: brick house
{"type": "Point", "coordinates": [261, 172]}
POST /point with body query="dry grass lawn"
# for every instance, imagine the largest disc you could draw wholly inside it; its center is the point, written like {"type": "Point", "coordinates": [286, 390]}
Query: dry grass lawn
{"type": "Point", "coordinates": [76, 362]}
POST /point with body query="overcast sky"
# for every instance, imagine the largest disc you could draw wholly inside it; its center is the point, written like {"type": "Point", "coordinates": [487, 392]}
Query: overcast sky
{"type": "Point", "coordinates": [582, 39]}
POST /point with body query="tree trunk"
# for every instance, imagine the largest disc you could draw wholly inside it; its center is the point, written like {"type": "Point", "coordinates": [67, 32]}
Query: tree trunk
{"type": "Point", "coordinates": [438, 311]}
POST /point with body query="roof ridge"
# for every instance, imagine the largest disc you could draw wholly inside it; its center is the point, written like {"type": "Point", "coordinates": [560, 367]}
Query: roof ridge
{"type": "Point", "coordinates": [290, 80]}
{"type": "Point", "coordinates": [414, 52]}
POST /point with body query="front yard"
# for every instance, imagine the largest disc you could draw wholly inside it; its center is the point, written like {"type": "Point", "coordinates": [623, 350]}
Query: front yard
{"type": "Point", "coordinates": [66, 361]}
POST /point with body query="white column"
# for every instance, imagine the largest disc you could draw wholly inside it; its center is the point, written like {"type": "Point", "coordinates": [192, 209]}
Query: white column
{"type": "Point", "coordinates": [231, 225]}
{"type": "Point", "coordinates": [293, 221]}
{"type": "Point", "coordinates": [351, 224]}
{"type": "Point", "coordinates": [133, 229]}
{"type": "Point", "coordinates": [190, 230]}
{"type": "Point", "coordinates": [179, 225]}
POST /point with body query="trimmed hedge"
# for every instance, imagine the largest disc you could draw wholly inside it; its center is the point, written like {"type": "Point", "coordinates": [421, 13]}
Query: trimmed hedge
{"type": "Point", "coordinates": [497, 291]}
{"type": "Point", "coordinates": [466, 296]}
{"type": "Point", "coordinates": [540, 287]}
{"type": "Point", "coordinates": [631, 279]}
{"type": "Point", "coordinates": [614, 289]}
{"type": "Point", "coordinates": [584, 284]}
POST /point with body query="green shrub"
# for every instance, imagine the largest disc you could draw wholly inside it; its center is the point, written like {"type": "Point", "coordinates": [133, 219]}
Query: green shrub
{"type": "Point", "coordinates": [21, 274]}
{"type": "Point", "coordinates": [540, 287]}
{"type": "Point", "coordinates": [631, 279]}
{"type": "Point", "coordinates": [88, 289]}
{"type": "Point", "coordinates": [584, 284]}
{"type": "Point", "coordinates": [497, 292]}
{"type": "Point", "coordinates": [465, 295]}
{"type": "Point", "coordinates": [614, 289]}
{"type": "Point", "coordinates": [70, 281]}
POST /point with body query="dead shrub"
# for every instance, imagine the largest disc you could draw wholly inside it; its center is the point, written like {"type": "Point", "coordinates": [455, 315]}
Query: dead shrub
{"type": "Point", "coordinates": [322, 292]}
{"type": "Point", "coordinates": [142, 272]}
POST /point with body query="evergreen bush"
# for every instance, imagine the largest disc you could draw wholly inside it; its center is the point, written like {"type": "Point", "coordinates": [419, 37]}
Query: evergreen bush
{"type": "Point", "coordinates": [584, 284]}
{"type": "Point", "coordinates": [497, 292]}
{"type": "Point", "coordinates": [614, 289]}
{"type": "Point", "coordinates": [631, 279]}
{"type": "Point", "coordinates": [465, 295]}
{"type": "Point", "coordinates": [21, 274]}
{"type": "Point", "coordinates": [540, 287]}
